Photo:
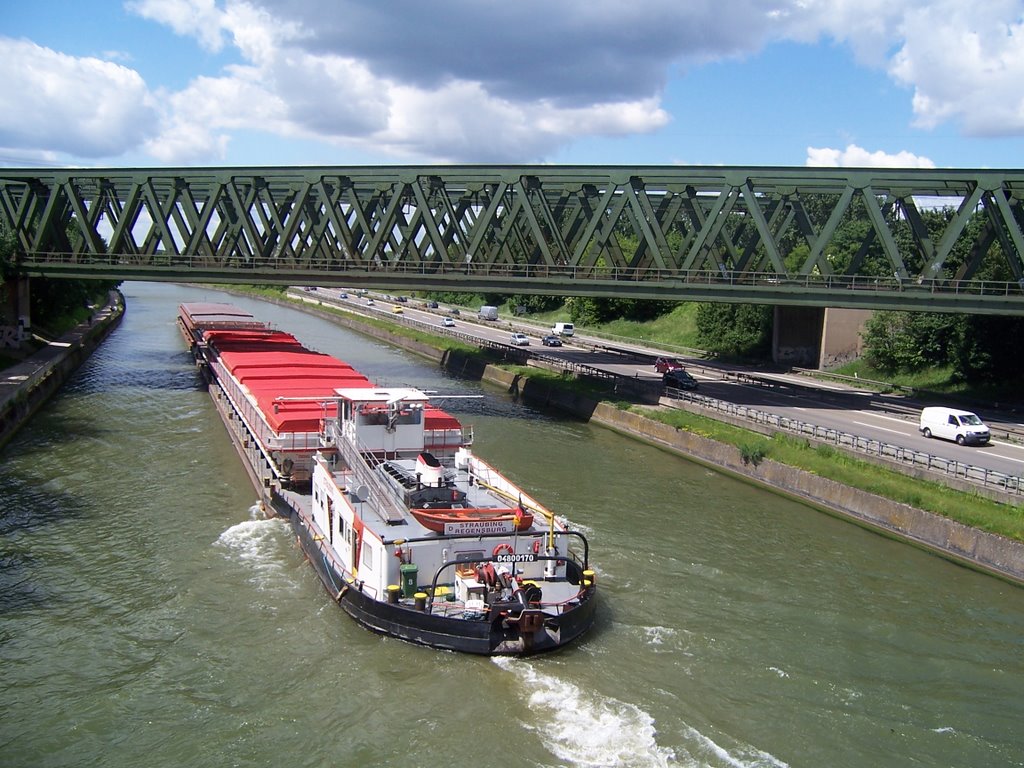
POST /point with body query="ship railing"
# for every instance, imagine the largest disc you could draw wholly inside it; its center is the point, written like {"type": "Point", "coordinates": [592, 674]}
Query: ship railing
{"type": "Point", "coordinates": [363, 464]}
{"type": "Point", "coordinates": [257, 424]}
{"type": "Point", "coordinates": [512, 559]}
{"type": "Point", "coordinates": [573, 542]}
{"type": "Point", "coordinates": [294, 441]}
{"type": "Point", "coordinates": [447, 441]}
{"type": "Point", "coordinates": [488, 477]}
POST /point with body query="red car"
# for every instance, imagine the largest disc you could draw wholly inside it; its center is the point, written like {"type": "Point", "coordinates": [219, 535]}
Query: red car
{"type": "Point", "coordinates": [666, 364]}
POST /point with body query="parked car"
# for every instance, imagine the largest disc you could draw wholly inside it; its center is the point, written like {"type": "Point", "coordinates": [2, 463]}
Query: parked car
{"type": "Point", "coordinates": [679, 379]}
{"type": "Point", "coordinates": [551, 341]}
{"type": "Point", "coordinates": [448, 323]}
{"type": "Point", "coordinates": [520, 340]}
{"type": "Point", "coordinates": [665, 364]}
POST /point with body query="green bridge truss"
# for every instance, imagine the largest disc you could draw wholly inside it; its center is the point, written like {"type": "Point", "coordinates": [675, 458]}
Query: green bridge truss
{"type": "Point", "coordinates": [939, 240]}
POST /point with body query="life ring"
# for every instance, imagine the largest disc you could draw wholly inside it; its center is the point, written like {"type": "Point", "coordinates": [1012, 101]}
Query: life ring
{"type": "Point", "coordinates": [506, 547]}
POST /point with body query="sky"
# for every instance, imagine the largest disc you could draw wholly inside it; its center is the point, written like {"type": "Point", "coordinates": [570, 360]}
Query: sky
{"type": "Point", "coordinates": [165, 83]}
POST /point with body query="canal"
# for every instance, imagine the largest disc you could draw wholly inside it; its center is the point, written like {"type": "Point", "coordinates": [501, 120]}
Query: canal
{"type": "Point", "coordinates": [150, 616]}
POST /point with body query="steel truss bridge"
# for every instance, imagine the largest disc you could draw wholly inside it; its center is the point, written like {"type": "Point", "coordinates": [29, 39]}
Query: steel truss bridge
{"type": "Point", "coordinates": [727, 234]}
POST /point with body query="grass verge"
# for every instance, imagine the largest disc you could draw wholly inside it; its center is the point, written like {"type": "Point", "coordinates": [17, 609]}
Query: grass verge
{"type": "Point", "coordinates": [825, 461]}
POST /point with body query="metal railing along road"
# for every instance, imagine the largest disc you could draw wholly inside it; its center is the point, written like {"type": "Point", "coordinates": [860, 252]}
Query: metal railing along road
{"type": "Point", "coordinates": [988, 478]}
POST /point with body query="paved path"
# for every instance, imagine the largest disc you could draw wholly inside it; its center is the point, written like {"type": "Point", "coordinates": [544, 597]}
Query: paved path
{"type": "Point", "coordinates": [23, 374]}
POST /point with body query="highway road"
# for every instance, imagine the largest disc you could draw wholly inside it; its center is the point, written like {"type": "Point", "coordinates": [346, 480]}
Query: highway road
{"type": "Point", "coordinates": [887, 418]}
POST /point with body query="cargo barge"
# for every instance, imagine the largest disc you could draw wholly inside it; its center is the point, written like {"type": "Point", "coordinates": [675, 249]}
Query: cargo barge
{"type": "Point", "coordinates": [411, 534]}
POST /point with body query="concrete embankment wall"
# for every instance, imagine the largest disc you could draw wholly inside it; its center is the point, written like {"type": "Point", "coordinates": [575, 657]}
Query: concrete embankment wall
{"type": "Point", "coordinates": [26, 386]}
{"type": "Point", "coordinates": [958, 542]}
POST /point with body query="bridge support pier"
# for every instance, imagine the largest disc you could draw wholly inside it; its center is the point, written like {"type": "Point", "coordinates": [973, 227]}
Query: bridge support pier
{"type": "Point", "coordinates": [817, 337]}
{"type": "Point", "coordinates": [15, 320]}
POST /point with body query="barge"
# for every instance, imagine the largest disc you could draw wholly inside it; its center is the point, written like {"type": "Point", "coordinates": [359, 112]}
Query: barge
{"type": "Point", "coordinates": [411, 534]}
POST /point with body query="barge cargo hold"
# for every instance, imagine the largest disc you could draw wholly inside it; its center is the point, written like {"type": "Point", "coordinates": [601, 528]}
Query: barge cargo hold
{"type": "Point", "coordinates": [411, 534]}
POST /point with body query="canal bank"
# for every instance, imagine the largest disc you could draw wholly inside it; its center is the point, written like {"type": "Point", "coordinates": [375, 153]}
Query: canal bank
{"type": "Point", "coordinates": [26, 386]}
{"type": "Point", "coordinates": [960, 543]}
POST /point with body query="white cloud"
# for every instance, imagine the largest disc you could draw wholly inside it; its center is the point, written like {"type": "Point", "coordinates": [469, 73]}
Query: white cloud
{"type": "Point", "coordinates": [858, 157]}
{"type": "Point", "coordinates": [200, 19]}
{"type": "Point", "coordinates": [198, 120]}
{"type": "Point", "coordinates": [329, 76]}
{"type": "Point", "coordinates": [965, 63]}
{"type": "Point", "coordinates": [85, 107]}
{"type": "Point", "coordinates": [465, 81]}
{"type": "Point", "coordinates": [462, 122]}
{"type": "Point", "coordinates": [869, 27]}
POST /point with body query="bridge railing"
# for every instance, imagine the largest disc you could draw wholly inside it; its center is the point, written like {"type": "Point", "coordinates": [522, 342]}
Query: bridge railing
{"type": "Point", "coordinates": [325, 269]}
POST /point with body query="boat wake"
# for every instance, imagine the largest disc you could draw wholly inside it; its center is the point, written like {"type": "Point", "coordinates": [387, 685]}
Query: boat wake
{"type": "Point", "coordinates": [257, 544]}
{"type": "Point", "coordinates": [586, 729]}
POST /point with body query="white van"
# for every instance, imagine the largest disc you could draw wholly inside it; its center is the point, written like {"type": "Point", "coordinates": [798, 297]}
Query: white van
{"type": "Point", "coordinates": [953, 424]}
{"type": "Point", "coordinates": [488, 313]}
{"type": "Point", "coordinates": [563, 329]}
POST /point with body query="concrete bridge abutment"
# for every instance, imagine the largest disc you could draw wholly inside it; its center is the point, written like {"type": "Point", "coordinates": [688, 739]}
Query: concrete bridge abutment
{"type": "Point", "coordinates": [817, 337]}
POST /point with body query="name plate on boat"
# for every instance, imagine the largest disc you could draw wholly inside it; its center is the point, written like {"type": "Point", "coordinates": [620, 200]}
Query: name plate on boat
{"type": "Point", "coordinates": [473, 527]}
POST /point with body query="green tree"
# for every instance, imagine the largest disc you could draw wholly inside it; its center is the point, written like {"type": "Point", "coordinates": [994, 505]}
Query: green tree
{"type": "Point", "coordinates": [982, 352]}
{"type": "Point", "coordinates": [905, 342]}
{"type": "Point", "coordinates": [735, 330]}
{"type": "Point", "coordinates": [7, 243]}
{"type": "Point", "coordinates": [53, 304]}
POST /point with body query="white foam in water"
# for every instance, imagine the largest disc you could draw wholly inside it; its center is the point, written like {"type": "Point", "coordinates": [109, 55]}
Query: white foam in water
{"type": "Point", "coordinates": [588, 730]}
{"type": "Point", "coordinates": [749, 757]}
{"type": "Point", "coordinates": [256, 544]}
{"type": "Point", "coordinates": [656, 635]}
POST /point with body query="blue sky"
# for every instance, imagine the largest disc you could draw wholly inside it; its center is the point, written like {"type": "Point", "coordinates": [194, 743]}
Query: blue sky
{"type": "Point", "coordinates": [921, 83]}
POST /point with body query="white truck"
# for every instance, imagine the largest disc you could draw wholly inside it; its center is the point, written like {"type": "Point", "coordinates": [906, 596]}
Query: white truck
{"type": "Point", "coordinates": [488, 313]}
{"type": "Point", "coordinates": [563, 329]}
{"type": "Point", "coordinates": [953, 424]}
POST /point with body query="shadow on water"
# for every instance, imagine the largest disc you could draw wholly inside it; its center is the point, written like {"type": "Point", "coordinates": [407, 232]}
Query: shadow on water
{"type": "Point", "coordinates": [146, 370]}
{"type": "Point", "coordinates": [19, 589]}
{"type": "Point", "coordinates": [28, 508]}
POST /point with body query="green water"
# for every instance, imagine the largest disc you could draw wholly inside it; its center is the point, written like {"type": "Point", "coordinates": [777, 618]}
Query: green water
{"type": "Point", "coordinates": [150, 617]}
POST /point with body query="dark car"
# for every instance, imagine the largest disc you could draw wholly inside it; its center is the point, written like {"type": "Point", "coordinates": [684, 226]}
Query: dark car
{"type": "Point", "coordinates": [431, 305]}
{"type": "Point", "coordinates": [679, 379]}
{"type": "Point", "coordinates": [551, 341]}
{"type": "Point", "coordinates": [664, 364]}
